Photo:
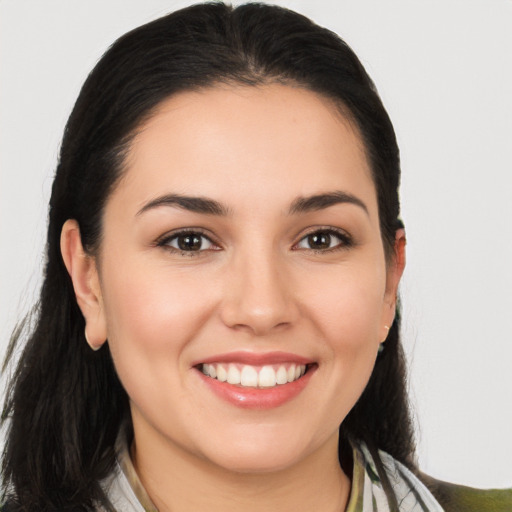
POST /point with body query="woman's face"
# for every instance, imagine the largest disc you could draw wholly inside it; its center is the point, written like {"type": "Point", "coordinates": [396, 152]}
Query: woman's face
{"type": "Point", "coordinates": [240, 250]}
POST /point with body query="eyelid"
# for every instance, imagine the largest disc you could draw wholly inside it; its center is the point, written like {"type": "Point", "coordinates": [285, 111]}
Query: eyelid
{"type": "Point", "coordinates": [163, 241]}
{"type": "Point", "coordinates": [346, 239]}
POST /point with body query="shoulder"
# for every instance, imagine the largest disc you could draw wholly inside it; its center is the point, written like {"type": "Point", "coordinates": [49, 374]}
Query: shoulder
{"type": "Point", "coordinates": [457, 498]}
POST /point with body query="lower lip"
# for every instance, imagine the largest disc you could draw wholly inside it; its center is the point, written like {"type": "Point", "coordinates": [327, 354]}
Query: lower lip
{"type": "Point", "coordinates": [258, 398]}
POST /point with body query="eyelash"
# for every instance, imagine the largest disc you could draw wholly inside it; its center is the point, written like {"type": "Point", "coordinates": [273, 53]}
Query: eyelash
{"type": "Point", "coordinates": [165, 242]}
{"type": "Point", "coordinates": [345, 241]}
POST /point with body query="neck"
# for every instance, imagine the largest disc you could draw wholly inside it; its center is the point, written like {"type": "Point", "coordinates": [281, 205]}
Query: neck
{"type": "Point", "coordinates": [179, 481]}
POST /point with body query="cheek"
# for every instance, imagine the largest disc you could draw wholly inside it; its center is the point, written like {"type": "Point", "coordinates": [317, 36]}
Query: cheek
{"type": "Point", "coordinates": [152, 317]}
{"type": "Point", "coordinates": [151, 312]}
{"type": "Point", "coordinates": [354, 341]}
{"type": "Point", "coordinates": [348, 310]}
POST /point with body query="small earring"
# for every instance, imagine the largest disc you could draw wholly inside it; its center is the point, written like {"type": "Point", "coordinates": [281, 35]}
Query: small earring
{"type": "Point", "coordinates": [381, 346]}
{"type": "Point", "coordinates": [89, 343]}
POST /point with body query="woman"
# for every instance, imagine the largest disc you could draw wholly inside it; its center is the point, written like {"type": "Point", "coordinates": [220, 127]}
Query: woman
{"type": "Point", "coordinates": [224, 254]}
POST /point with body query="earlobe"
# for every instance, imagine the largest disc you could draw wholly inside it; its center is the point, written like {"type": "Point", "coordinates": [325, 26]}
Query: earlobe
{"type": "Point", "coordinates": [84, 275]}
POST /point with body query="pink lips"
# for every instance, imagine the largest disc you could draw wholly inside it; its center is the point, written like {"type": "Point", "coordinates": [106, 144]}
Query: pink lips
{"type": "Point", "coordinates": [254, 397]}
{"type": "Point", "coordinates": [255, 359]}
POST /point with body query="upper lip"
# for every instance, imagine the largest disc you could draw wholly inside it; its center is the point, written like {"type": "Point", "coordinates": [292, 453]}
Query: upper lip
{"type": "Point", "coordinates": [254, 358]}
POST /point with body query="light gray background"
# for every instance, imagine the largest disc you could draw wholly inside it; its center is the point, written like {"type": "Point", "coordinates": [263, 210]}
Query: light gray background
{"type": "Point", "coordinates": [444, 71]}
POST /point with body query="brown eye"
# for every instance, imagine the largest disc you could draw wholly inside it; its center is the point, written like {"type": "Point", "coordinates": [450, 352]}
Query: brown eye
{"type": "Point", "coordinates": [324, 240]}
{"type": "Point", "coordinates": [188, 241]}
{"type": "Point", "coordinates": [319, 240]}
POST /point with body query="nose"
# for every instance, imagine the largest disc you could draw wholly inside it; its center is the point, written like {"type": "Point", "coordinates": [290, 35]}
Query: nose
{"type": "Point", "coordinates": [258, 296]}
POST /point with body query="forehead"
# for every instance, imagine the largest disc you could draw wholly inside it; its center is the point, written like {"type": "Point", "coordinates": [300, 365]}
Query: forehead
{"type": "Point", "coordinates": [251, 142]}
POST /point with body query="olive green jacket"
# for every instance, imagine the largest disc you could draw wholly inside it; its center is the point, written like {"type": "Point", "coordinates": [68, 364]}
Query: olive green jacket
{"type": "Point", "coordinates": [459, 498]}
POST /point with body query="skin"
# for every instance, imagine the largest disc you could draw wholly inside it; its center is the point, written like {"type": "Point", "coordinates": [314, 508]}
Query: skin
{"type": "Point", "coordinates": [258, 286]}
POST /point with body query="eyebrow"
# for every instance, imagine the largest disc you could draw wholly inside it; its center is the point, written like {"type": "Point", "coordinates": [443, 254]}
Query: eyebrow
{"type": "Point", "coordinates": [192, 204]}
{"type": "Point", "coordinates": [321, 201]}
{"type": "Point", "coordinates": [208, 206]}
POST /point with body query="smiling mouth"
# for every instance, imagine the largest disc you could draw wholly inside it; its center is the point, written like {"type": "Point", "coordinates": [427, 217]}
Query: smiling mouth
{"type": "Point", "coordinates": [243, 375]}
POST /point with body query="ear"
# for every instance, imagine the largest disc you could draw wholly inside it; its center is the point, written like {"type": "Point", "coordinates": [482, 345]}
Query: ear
{"type": "Point", "coordinates": [395, 269]}
{"type": "Point", "coordinates": [84, 275]}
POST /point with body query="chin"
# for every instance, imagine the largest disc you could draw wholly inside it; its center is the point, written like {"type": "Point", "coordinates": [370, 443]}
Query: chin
{"type": "Point", "coordinates": [259, 454]}
{"type": "Point", "coordinates": [258, 463]}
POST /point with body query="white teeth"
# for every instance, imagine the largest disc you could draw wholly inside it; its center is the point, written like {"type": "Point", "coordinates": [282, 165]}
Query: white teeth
{"type": "Point", "coordinates": [212, 372]}
{"type": "Point", "coordinates": [233, 375]}
{"type": "Point", "coordinates": [267, 377]}
{"type": "Point", "coordinates": [249, 376]}
{"type": "Point", "coordinates": [222, 374]}
{"type": "Point", "coordinates": [282, 375]}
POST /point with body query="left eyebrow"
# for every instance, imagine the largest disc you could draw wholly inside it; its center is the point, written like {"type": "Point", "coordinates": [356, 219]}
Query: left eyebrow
{"type": "Point", "coordinates": [191, 203]}
{"type": "Point", "coordinates": [321, 201]}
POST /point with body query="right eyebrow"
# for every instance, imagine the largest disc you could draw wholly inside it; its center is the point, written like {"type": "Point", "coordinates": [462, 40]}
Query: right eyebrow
{"type": "Point", "coordinates": [191, 203]}
{"type": "Point", "coordinates": [321, 201]}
